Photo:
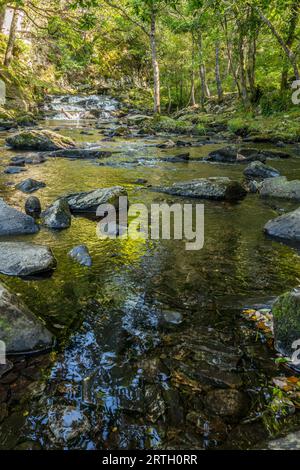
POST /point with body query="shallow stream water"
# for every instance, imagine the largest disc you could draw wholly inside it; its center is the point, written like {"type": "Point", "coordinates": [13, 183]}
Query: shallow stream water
{"type": "Point", "coordinates": [151, 330]}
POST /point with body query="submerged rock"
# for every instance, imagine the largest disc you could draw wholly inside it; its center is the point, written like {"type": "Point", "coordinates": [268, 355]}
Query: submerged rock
{"type": "Point", "coordinates": [286, 227]}
{"type": "Point", "coordinates": [58, 215]}
{"type": "Point", "coordinates": [67, 423]}
{"type": "Point", "coordinates": [25, 259]}
{"type": "Point", "coordinates": [80, 154]}
{"type": "Point", "coordinates": [260, 170]}
{"type": "Point", "coordinates": [231, 404]}
{"type": "Point", "coordinates": [14, 222]}
{"type": "Point", "coordinates": [33, 206]}
{"type": "Point", "coordinates": [280, 187]}
{"type": "Point", "coordinates": [184, 157]}
{"type": "Point", "coordinates": [30, 185]}
{"type": "Point", "coordinates": [20, 329]}
{"type": "Point", "coordinates": [39, 140]}
{"type": "Point", "coordinates": [81, 255]}
{"type": "Point", "coordinates": [286, 317]}
{"type": "Point", "coordinates": [216, 188]}
{"type": "Point", "coordinates": [91, 200]}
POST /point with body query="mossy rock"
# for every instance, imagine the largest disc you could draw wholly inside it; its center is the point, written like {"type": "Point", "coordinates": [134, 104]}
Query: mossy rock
{"type": "Point", "coordinates": [286, 313]}
{"type": "Point", "coordinates": [39, 140]}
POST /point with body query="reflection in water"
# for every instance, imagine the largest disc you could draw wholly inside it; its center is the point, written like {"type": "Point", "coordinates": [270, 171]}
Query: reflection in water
{"type": "Point", "coordinates": [138, 378]}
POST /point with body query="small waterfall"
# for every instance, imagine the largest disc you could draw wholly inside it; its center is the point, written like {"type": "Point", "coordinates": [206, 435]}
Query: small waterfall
{"type": "Point", "coordinates": [80, 107]}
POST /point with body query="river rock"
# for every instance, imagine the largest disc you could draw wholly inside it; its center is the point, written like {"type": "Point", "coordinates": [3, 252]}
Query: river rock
{"type": "Point", "coordinates": [14, 170]}
{"type": "Point", "coordinates": [30, 185]}
{"type": "Point", "coordinates": [42, 140]}
{"type": "Point", "coordinates": [33, 206]}
{"type": "Point", "coordinates": [169, 144]}
{"type": "Point", "coordinates": [14, 222]}
{"type": "Point", "coordinates": [25, 259]}
{"type": "Point", "coordinates": [286, 317]}
{"type": "Point", "coordinates": [234, 155]}
{"type": "Point", "coordinates": [80, 154]}
{"type": "Point", "coordinates": [20, 329]}
{"type": "Point", "coordinates": [58, 215]}
{"type": "Point", "coordinates": [216, 188]}
{"type": "Point", "coordinates": [67, 423]}
{"type": "Point", "coordinates": [260, 170]}
{"type": "Point", "coordinates": [35, 159]}
{"type": "Point", "coordinates": [286, 227]}
{"type": "Point", "coordinates": [280, 187]}
{"type": "Point", "coordinates": [81, 255]}
{"type": "Point", "coordinates": [90, 201]}
{"type": "Point", "coordinates": [184, 157]}
{"type": "Point", "coordinates": [32, 159]}
{"type": "Point", "coordinates": [228, 403]}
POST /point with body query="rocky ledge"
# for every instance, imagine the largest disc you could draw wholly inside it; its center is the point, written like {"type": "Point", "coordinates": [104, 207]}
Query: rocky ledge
{"type": "Point", "coordinates": [20, 329]}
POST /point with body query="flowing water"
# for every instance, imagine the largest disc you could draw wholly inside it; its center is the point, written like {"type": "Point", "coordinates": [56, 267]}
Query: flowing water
{"type": "Point", "coordinates": [151, 331]}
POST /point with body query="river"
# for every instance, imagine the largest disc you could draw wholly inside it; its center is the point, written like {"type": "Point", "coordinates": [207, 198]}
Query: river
{"type": "Point", "coordinates": [149, 333]}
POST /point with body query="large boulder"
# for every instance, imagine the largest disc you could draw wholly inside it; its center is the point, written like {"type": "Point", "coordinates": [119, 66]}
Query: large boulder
{"type": "Point", "coordinates": [25, 259]}
{"type": "Point", "coordinates": [286, 316]}
{"type": "Point", "coordinates": [285, 227]}
{"type": "Point", "coordinates": [280, 187]}
{"type": "Point", "coordinates": [20, 329]}
{"type": "Point", "coordinates": [58, 215]}
{"type": "Point", "coordinates": [14, 222]}
{"type": "Point", "coordinates": [234, 155]}
{"type": "Point", "coordinates": [259, 170]}
{"type": "Point", "coordinates": [91, 200]}
{"type": "Point", "coordinates": [39, 140]}
{"type": "Point", "coordinates": [216, 188]}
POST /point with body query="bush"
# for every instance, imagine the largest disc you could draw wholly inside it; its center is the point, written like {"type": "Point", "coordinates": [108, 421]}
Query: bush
{"type": "Point", "coordinates": [275, 102]}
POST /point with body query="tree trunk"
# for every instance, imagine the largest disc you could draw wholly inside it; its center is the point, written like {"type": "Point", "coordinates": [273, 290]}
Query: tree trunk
{"type": "Point", "coordinates": [251, 67]}
{"type": "Point", "coordinates": [205, 93]}
{"type": "Point", "coordinates": [243, 80]}
{"type": "Point", "coordinates": [218, 75]}
{"type": "Point", "coordinates": [192, 100]}
{"type": "Point", "coordinates": [288, 52]}
{"type": "Point", "coordinates": [2, 17]}
{"type": "Point", "coordinates": [230, 59]}
{"type": "Point", "coordinates": [289, 41]}
{"type": "Point", "coordinates": [11, 38]}
{"type": "Point", "coordinates": [155, 65]}
{"type": "Point", "coordinates": [170, 100]}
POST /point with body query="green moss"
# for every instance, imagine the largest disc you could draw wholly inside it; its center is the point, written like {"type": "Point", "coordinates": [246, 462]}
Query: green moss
{"type": "Point", "coordinates": [286, 313]}
{"type": "Point", "coordinates": [168, 124]}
